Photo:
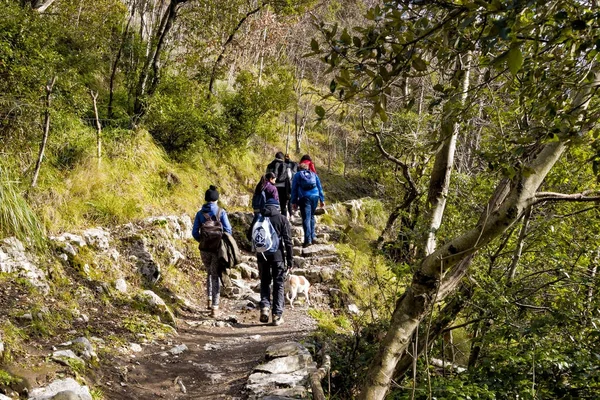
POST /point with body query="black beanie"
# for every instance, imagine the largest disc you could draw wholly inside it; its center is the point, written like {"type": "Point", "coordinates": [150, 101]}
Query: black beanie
{"type": "Point", "coordinates": [211, 194]}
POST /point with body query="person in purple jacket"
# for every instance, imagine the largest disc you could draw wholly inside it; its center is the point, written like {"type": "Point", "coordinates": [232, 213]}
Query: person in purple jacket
{"type": "Point", "coordinates": [211, 259]}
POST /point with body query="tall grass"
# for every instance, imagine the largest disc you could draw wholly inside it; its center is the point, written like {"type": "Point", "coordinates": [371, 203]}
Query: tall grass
{"type": "Point", "coordinates": [16, 216]}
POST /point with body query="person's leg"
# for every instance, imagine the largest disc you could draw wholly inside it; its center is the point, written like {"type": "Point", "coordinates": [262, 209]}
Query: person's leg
{"type": "Point", "coordinates": [265, 283]}
{"type": "Point", "coordinates": [304, 205]}
{"type": "Point", "coordinates": [206, 259]}
{"type": "Point", "coordinates": [278, 272]}
{"type": "Point", "coordinates": [215, 281]}
{"type": "Point", "coordinates": [282, 192]}
{"type": "Point", "coordinates": [314, 203]}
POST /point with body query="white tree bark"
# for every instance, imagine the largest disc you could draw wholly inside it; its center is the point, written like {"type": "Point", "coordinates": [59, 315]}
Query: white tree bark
{"type": "Point", "coordinates": [38, 164]}
{"type": "Point", "coordinates": [444, 162]}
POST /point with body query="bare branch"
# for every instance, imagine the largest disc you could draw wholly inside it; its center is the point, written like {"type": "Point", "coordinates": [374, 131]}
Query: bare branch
{"type": "Point", "coordinates": [587, 195]}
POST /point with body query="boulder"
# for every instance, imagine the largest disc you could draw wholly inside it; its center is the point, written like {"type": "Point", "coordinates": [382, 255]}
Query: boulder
{"type": "Point", "coordinates": [176, 227]}
{"type": "Point", "coordinates": [318, 250]}
{"type": "Point", "coordinates": [158, 305]}
{"type": "Point", "coordinates": [3, 397]}
{"type": "Point", "coordinates": [286, 349]}
{"type": "Point", "coordinates": [97, 238]}
{"type": "Point", "coordinates": [178, 349]}
{"type": "Point", "coordinates": [67, 357]}
{"type": "Point", "coordinates": [74, 240]}
{"type": "Point", "coordinates": [146, 264]}
{"type": "Point", "coordinates": [14, 259]}
{"type": "Point", "coordinates": [121, 285]}
{"type": "Point", "coordinates": [82, 347]}
{"type": "Point", "coordinates": [279, 380]}
{"type": "Point", "coordinates": [56, 387]}
{"type": "Point", "coordinates": [247, 271]}
{"type": "Point", "coordinates": [286, 365]}
{"type": "Point", "coordinates": [254, 298]}
{"type": "Point", "coordinates": [235, 274]}
{"type": "Point", "coordinates": [66, 395]}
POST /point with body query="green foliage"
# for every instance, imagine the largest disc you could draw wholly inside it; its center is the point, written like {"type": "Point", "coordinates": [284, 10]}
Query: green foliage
{"type": "Point", "coordinates": [183, 121]}
{"type": "Point", "coordinates": [7, 379]}
{"type": "Point", "coordinates": [16, 216]}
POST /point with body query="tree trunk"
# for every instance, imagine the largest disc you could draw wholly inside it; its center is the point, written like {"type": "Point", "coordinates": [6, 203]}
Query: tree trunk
{"type": "Point", "coordinates": [417, 300]}
{"type": "Point", "coordinates": [98, 128]}
{"type": "Point", "coordinates": [113, 73]}
{"type": "Point", "coordinates": [444, 161]}
{"type": "Point", "coordinates": [41, 6]}
{"type": "Point", "coordinates": [445, 317]}
{"type": "Point", "coordinates": [262, 57]}
{"type": "Point", "coordinates": [38, 164]}
{"type": "Point", "coordinates": [213, 73]}
{"type": "Point", "coordinates": [152, 61]}
{"type": "Point", "coordinates": [519, 249]}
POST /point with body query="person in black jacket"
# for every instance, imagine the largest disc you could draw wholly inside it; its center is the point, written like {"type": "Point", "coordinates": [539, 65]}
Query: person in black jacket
{"type": "Point", "coordinates": [273, 266]}
{"type": "Point", "coordinates": [282, 181]}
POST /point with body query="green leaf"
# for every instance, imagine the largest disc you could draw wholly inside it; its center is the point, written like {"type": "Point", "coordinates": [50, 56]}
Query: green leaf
{"type": "Point", "coordinates": [332, 85]}
{"type": "Point", "coordinates": [314, 45]}
{"type": "Point", "coordinates": [320, 111]}
{"type": "Point", "coordinates": [419, 64]}
{"type": "Point", "coordinates": [345, 38]}
{"type": "Point", "coordinates": [515, 60]}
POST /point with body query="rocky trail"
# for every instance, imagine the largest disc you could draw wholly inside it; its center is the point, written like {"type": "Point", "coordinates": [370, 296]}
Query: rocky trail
{"type": "Point", "coordinates": [232, 356]}
{"type": "Point", "coordinates": [213, 358]}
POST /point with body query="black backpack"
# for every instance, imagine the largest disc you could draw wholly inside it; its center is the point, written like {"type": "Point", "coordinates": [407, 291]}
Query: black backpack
{"type": "Point", "coordinates": [279, 168]}
{"type": "Point", "coordinates": [211, 232]}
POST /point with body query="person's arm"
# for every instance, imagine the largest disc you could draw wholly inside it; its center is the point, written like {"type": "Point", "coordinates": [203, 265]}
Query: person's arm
{"type": "Point", "coordinates": [295, 190]}
{"type": "Point", "coordinates": [225, 223]}
{"type": "Point", "coordinates": [286, 234]}
{"type": "Point", "coordinates": [196, 227]}
{"type": "Point", "coordinates": [321, 194]}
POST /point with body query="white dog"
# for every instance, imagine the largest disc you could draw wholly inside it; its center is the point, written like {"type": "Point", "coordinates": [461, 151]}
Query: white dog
{"type": "Point", "coordinates": [294, 285]}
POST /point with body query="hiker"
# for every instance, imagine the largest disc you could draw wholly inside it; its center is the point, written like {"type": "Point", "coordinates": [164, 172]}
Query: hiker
{"type": "Point", "coordinates": [282, 182]}
{"type": "Point", "coordinates": [271, 195]}
{"type": "Point", "coordinates": [265, 193]}
{"type": "Point", "coordinates": [292, 168]}
{"type": "Point", "coordinates": [209, 224]}
{"type": "Point", "coordinates": [307, 192]}
{"type": "Point", "coordinates": [308, 161]}
{"type": "Point", "coordinates": [272, 240]}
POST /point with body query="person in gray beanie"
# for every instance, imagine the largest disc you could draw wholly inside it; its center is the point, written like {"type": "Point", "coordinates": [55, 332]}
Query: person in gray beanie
{"type": "Point", "coordinates": [209, 224]}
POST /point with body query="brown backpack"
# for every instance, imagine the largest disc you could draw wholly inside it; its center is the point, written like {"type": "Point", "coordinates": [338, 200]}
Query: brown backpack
{"type": "Point", "coordinates": [211, 232]}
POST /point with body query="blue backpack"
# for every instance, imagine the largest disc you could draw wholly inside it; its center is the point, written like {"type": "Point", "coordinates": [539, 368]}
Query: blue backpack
{"type": "Point", "coordinates": [259, 201]}
{"type": "Point", "coordinates": [307, 180]}
{"type": "Point", "coordinates": [264, 236]}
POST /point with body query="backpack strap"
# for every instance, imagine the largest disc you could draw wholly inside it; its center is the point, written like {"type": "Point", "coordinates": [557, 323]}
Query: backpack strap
{"type": "Point", "coordinates": [219, 212]}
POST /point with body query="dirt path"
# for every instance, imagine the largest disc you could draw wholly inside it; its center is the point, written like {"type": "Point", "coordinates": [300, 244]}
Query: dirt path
{"type": "Point", "coordinates": [216, 364]}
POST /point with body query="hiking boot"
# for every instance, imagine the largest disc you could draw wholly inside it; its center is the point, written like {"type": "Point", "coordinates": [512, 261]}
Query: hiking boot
{"type": "Point", "coordinates": [214, 311]}
{"type": "Point", "coordinates": [277, 320]}
{"type": "Point", "coordinates": [305, 245]}
{"type": "Point", "coordinates": [264, 315]}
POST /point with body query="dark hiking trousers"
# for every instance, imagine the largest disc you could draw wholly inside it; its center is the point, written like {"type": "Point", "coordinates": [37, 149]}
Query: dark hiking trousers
{"type": "Point", "coordinates": [213, 285]}
{"type": "Point", "coordinates": [283, 193]}
{"type": "Point", "coordinates": [271, 272]}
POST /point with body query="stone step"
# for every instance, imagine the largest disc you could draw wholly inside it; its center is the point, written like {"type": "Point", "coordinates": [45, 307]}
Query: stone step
{"type": "Point", "coordinates": [315, 250]}
{"type": "Point", "coordinates": [305, 262]}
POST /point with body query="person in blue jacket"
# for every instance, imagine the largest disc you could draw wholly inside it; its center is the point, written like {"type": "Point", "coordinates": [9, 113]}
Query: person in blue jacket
{"type": "Point", "coordinates": [211, 259]}
{"type": "Point", "coordinates": [307, 192]}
